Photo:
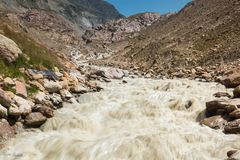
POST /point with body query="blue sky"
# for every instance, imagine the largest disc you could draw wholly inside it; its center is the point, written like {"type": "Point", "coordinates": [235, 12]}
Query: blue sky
{"type": "Point", "coordinates": [130, 7]}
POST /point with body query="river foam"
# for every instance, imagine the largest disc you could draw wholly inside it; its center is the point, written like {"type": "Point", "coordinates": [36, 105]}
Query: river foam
{"type": "Point", "coordinates": [141, 120]}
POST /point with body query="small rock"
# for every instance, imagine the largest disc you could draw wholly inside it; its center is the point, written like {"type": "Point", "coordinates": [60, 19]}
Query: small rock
{"type": "Point", "coordinates": [222, 94]}
{"type": "Point", "coordinates": [38, 85]}
{"type": "Point", "coordinates": [21, 89]}
{"type": "Point", "coordinates": [37, 76]}
{"type": "Point", "coordinates": [41, 98]}
{"type": "Point", "coordinates": [215, 122]}
{"type": "Point", "coordinates": [52, 87]}
{"type": "Point", "coordinates": [4, 99]}
{"type": "Point", "coordinates": [24, 105]}
{"type": "Point", "coordinates": [78, 89]}
{"type": "Point", "coordinates": [56, 99]}
{"type": "Point", "coordinates": [66, 94]}
{"type": "Point", "coordinates": [8, 82]}
{"type": "Point", "coordinates": [14, 110]}
{"type": "Point", "coordinates": [233, 127]}
{"type": "Point", "coordinates": [3, 112]}
{"type": "Point", "coordinates": [35, 119]}
{"type": "Point", "coordinates": [46, 111]}
{"type": "Point", "coordinates": [236, 92]}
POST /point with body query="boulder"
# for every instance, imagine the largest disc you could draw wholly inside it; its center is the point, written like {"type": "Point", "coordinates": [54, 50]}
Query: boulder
{"type": "Point", "coordinates": [9, 49]}
{"type": "Point", "coordinates": [3, 112]}
{"type": "Point", "coordinates": [6, 132]}
{"type": "Point", "coordinates": [228, 105]}
{"type": "Point", "coordinates": [35, 119]}
{"type": "Point", "coordinates": [236, 92]}
{"type": "Point", "coordinates": [232, 80]}
{"type": "Point", "coordinates": [25, 106]}
{"type": "Point", "coordinates": [215, 122]}
{"type": "Point", "coordinates": [5, 100]}
{"type": "Point", "coordinates": [232, 127]}
{"type": "Point", "coordinates": [21, 89]}
{"type": "Point", "coordinates": [114, 73]}
{"type": "Point", "coordinates": [52, 87]}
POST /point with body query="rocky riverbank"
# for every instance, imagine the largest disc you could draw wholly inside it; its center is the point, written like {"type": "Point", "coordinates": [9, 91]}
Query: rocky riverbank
{"type": "Point", "coordinates": [21, 110]}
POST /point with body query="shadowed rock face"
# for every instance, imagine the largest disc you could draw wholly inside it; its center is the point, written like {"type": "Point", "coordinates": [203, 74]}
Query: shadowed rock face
{"type": "Point", "coordinates": [82, 13]}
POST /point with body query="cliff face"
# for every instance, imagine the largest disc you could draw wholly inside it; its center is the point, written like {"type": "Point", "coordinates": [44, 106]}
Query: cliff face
{"type": "Point", "coordinates": [82, 13]}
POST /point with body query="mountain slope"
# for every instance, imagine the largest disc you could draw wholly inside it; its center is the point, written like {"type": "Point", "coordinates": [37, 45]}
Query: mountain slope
{"type": "Point", "coordinates": [82, 13]}
{"type": "Point", "coordinates": [203, 33]}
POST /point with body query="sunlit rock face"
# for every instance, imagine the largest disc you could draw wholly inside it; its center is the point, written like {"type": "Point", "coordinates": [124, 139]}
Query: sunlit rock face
{"type": "Point", "coordinates": [139, 120]}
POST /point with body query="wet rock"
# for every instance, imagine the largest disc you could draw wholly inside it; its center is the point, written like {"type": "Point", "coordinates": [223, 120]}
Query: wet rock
{"type": "Point", "coordinates": [235, 114]}
{"type": "Point", "coordinates": [216, 122]}
{"type": "Point", "coordinates": [3, 112]}
{"type": "Point", "coordinates": [56, 99]}
{"type": "Point", "coordinates": [8, 82]}
{"type": "Point", "coordinates": [52, 87]}
{"type": "Point", "coordinates": [6, 132]}
{"type": "Point", "coordinates": [236, 92]}
{"type": "Point", "coordinates": [21, 89]}
{"type": "Point", "coordinates": [9, 49]}
{"type": "Point", "coordinates": [25, 106]}
{"type": "Point", "coordinates": [35, 119]}
{"type": "Point", "coordinates": [231, 152]}
{"type": "Point", "coordinates": [233, 127]}
{"type": "Point", "coordinates": [222, 94]}
{"type": "Point", "coordinates": [5, 99]}
{"type": "Point", "coordinates": [228, 105]}
{"type": "Point", "coordinates": [233, 155]}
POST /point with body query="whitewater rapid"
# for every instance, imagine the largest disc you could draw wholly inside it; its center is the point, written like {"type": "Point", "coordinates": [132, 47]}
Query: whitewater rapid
{"type": "Point", "coordinates": [140, 120]}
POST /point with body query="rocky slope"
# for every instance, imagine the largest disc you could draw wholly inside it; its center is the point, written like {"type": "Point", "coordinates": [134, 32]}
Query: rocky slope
{"type": "Point", "coordinates": [107, 39]}
{"type": "Point", "coordinates": [82, 13]}
{"type": "Point", "coordinates": [204, 33]}
{"type": "Point", "coordinates": [57, 24]}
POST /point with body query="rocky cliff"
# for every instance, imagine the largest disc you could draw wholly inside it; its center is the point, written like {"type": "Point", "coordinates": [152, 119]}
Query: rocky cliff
{"type": "Point", "coordinates": [82, 13]}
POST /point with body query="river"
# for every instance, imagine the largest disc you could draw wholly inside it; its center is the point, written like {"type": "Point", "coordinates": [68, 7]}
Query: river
{"type": "Point", "coordinates": [141, 120]}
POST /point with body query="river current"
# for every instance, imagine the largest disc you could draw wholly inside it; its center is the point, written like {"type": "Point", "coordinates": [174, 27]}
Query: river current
{"type": "Point", "coordinates": [141, 120]}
